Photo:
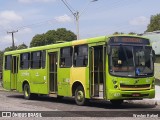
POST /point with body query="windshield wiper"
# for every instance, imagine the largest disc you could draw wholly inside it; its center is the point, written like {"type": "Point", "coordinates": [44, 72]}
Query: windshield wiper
{"type": "Point", "coordinates": [124, 50]}
{"type": "Point", "coordinates": [142, 74]}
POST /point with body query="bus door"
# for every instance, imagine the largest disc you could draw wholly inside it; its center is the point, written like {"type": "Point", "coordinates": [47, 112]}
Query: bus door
{"type": "Point", "coordinates": [14, 72]}
{"type": "Point", "coordinates": [97, 71]}
{"type": "Point", "coordinates": [53, 72]}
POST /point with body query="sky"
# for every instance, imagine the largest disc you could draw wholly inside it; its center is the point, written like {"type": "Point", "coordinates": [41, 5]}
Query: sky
{"type": "Point", "coordinates": [102, 17]}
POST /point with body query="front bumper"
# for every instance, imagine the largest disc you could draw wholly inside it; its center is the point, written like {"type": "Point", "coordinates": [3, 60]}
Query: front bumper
{"type": "Point", "coordinates": [126, 95]}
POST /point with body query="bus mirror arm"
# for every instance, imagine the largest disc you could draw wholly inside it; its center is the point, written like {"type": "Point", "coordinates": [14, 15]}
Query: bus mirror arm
{"type": "Point", "coordinates": [153, 56]}
{"type": "Point", "coordinates": [108, 50]}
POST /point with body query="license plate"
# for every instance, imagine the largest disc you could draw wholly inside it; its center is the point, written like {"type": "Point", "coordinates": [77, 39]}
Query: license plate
{"type": "Point", "coordinates": [135, 94]}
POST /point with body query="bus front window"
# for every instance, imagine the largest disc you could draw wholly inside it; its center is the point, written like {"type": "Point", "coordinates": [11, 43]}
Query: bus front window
{"type": "Point", "coordinates": [143, 61]}
{"type": "Point", "coordinates": [132, 61]}
{"type": "Point", "coordinates": [121, 61]}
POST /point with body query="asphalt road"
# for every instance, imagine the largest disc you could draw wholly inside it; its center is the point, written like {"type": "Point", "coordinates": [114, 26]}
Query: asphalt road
{"type": "Point", "coordinates": [66, 108]}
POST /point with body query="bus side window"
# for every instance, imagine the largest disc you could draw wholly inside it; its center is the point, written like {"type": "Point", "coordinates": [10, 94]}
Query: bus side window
{"type": "Point", "coordinates": [66, 57]}
{"type": "Point", "coordinates": [8, 62]}
{"type": "Point", "coordinates": [81, 56]}
{"type": "Point", "coordinates": [36, 59]}
{"type": "Point", "coordinates": [24, 60]}
{"type": "Point", "coordinates": [43, 59]}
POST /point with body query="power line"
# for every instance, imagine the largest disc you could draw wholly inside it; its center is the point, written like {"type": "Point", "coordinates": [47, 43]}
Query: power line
{"type": "Point", "coordinates": [76, 14]}
{"type": "Point", "coordinates": [33, 25]}
{"type": "Point", "coordinates": [69, 8]}
{"type": "Point", "coordinates": [114, 5]}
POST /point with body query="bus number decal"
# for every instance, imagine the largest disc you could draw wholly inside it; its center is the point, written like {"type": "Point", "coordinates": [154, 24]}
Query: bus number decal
{"type": "Point", "coordinates": [25, 74]}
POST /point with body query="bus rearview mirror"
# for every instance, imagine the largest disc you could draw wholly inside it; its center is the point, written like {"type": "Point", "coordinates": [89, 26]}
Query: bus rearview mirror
{"type": "Point", "coordinates": [108, 50]}
{"type": "Point", "coordinates": [153, 56]}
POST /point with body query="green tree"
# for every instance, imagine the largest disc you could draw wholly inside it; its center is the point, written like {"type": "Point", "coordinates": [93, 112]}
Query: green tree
{"type": "Point", "coordinates": [22, 46]}
{"type": "Point", "coordinates": [154, 23]}
{"type": "Point", "coordinates": [38, 40]}
{"type": "Point", "coordinates": [132, 33]}
{"type": "Point", "coordinates": [65, 35]}
{"type": "Point", "coordinates": [117, 33]}
{"type": "Point", "coordinates": [120, 33]}
{"type": "Point", "coordinates": [10, 48]}
{"type": "Point", "coordinates": [52, 37]}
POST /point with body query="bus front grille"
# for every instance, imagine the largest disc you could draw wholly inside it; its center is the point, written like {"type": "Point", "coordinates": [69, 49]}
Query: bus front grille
{"type": "Point", "coordinates": [134, 87]}
{"type": "Point", "coordinates": [141, 95]}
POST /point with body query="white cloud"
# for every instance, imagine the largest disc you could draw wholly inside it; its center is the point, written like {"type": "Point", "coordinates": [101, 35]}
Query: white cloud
{"type": "Point", "coordinates": [25, 31]}
{"type": "Point", "coordinates": [31, 1]}
{"type": "Point", "coordinates": [6, 17]}
{"type": "Point", "coordinates": [139, 21]}
{"type": "Point", "coordinates": [63, 18]}
{"type": "Point", "coordinates": [7, 39]}
{"type": "Point", "coordinates": [10, 15]}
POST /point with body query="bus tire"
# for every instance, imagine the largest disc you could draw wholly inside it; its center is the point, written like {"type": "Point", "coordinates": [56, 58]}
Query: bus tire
{"type": "Point", "coordinates": [116, 102]}
{"type": "Point", "coordinates": [80, 96]}
{"type": "Point", "coordinates": [60, 97]}
{"type": "Point", "coordinates": [27, 94]}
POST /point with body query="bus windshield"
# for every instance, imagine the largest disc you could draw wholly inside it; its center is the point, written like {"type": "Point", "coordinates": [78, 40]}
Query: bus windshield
{"type": "Point", "coordinates": [131, 61]}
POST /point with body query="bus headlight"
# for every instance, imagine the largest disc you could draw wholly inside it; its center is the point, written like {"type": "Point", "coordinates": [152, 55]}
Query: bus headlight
{"type": "Point", "coordinates": [116, 86]}
{"type": "Point", "coordinates": [114, 81]}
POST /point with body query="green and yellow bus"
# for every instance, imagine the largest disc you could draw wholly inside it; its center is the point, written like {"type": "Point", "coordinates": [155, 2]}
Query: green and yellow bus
{"type": "Point", "coordinates": [115, 68]}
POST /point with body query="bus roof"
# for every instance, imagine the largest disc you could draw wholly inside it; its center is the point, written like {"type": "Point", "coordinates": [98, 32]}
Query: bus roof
{"type": "Point", "coordinates": [58, 45]}
{"type": "Point", "coordinates": [65, 44]}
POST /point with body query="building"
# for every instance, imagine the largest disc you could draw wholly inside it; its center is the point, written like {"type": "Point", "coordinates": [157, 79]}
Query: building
{"type": "Point", "coordinates": [155, 40]}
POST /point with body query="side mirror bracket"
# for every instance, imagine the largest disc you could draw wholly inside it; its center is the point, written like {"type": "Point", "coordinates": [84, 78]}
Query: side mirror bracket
{"type": "Point", "coordinates": [153, 56]}
{"type": "Point", "coordinates": [108, 50]}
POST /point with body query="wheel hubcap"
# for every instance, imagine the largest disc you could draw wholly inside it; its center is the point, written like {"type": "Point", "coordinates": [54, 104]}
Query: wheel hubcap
{"type": "Point", "coordinates": [26, 92]}
{"type": "Point", "coordinates": [80, 96]}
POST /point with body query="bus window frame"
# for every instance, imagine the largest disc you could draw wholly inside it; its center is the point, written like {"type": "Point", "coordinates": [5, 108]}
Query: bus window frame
{"type": "Point", "coordinates": [85, 56]}
{"type": "Point", "coordinates": [6, 63]}
{"type": "Point", "coordinates": [63, 57]}
{"type": "Point", "coordinates": [43, 60]}
{"type": "Point", "coordinates": [22, 68]}
{"type": "Point", "coordinates": [33, 60]}
{"type": "Point", "coordinates": [135, 76]}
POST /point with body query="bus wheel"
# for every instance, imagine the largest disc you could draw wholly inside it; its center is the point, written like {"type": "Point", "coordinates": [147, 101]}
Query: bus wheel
{"type": "Point", "coordinates": [80, 96]}
{"type": "Point", "coordinates": [116, 102]}
{"type": "Point", "coordinates": [60, 97]}
{"type": "Point", "coordinates": [27, 94]}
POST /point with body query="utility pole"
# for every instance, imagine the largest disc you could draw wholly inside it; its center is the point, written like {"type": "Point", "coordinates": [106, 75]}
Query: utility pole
{"type": "Point", "coordinates": [12, 32]}
{"type": "Point", "coordinates": [76, 14]}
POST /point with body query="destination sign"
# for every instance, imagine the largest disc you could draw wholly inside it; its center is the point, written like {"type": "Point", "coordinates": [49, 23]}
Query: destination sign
{"type": "Point", "coordinates": [128, 40]}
